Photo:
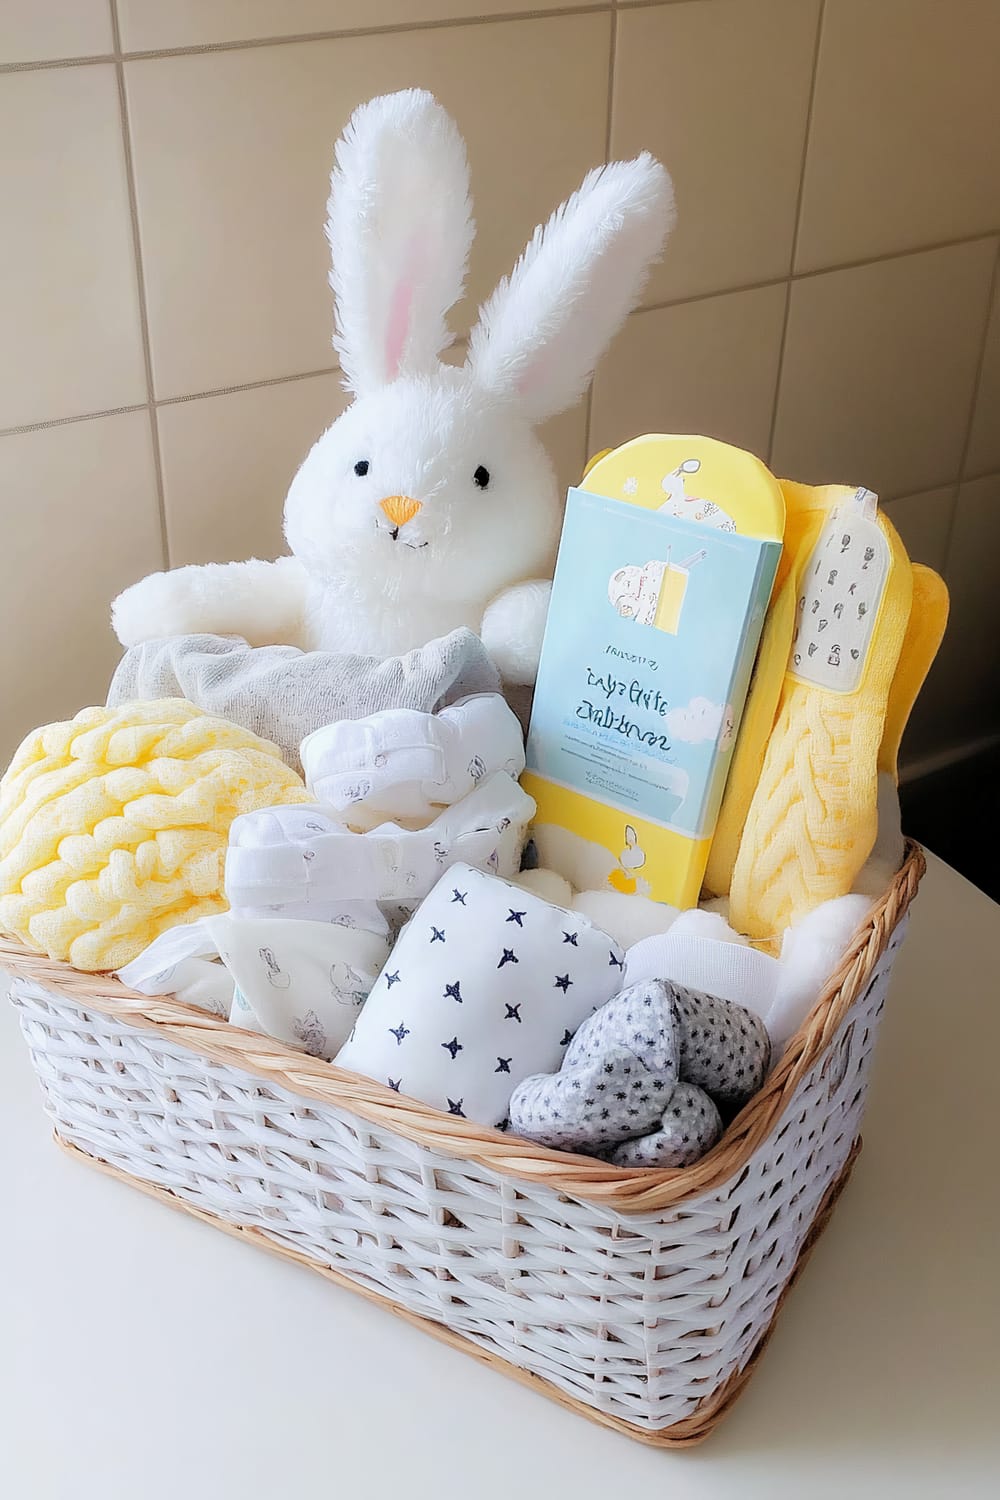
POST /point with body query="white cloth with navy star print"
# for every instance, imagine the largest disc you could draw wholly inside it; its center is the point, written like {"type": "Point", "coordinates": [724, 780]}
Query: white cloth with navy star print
{"type": "Point", "coordinates": [485, 986]}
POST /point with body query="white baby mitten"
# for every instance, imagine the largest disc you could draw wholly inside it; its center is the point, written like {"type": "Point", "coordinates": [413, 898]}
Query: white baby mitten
{"type": "Point", "coordinates": [404, 765]}
{"type": "Point", "coordinates": [486, 984]}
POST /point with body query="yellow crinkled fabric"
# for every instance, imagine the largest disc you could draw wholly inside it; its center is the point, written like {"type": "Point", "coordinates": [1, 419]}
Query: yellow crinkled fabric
{"type": "Point", "coordinates": [114, 826]}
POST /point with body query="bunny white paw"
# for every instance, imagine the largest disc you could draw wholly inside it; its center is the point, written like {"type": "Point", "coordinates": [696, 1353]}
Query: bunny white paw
{"type": "Point", "coordinates": [512, 629]}
{"type": "Point", "coordinates": [160, 605]}
{"type": "Point", "coordinates": [263, 602]}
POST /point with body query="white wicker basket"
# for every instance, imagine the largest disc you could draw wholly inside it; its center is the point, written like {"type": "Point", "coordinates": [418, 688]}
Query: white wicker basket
{"type": "Point", "coordinates": [641, 1298]}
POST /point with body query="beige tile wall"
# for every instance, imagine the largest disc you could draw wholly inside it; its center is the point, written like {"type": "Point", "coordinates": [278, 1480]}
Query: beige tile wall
{"type": "Point", "coordinates": [829, 298]}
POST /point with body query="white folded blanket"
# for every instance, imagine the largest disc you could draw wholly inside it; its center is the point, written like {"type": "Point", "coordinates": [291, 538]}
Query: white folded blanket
{"type": "Point", "coordinates": [702, 952]}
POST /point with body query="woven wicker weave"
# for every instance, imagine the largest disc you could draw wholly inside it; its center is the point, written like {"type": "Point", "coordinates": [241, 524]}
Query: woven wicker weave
{"type": "Point", "coordinates": [639, 1297]}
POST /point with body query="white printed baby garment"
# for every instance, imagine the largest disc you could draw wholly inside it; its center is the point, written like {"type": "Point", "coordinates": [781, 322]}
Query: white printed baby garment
{"type": "Point", "coordinates": [304, 981]}
{"type": "Point", "coordinates": [404, 765]}
{"type": "Point", "coordinates": [301, 982]}
{"type": "Point", "coordinates": [181, 962]}
{"type": "Point", "coordinates": [486, 985]}
{"type": "Point", "coordinates": [302, 857]}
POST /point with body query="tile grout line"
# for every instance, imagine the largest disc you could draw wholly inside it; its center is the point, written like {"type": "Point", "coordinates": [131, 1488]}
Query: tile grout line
{"type": "Point", "coordinates": [793, 248]}
{"type": "Point", "coordinates": [48, 63]}
{"type": "Point", "coordinates": [247, 385]}
{"type": "Point", "coordinates": [729, 291]}
{"type": "Point", "coordinates": [243, 44]}
{"type": "Point", "coordinates": [647, 4]}
{"type": "Point", "coordinates": [970, 422]}
{"type": "Point", "coordinates": [83, 416]}
{"type": "Point", "coordinates": [119, 411]}
{"type": "Point", "coordinates": [854, 265]}
{"type": "Point", "coordinates": [734, 291]}
{"type": "Point", "coordinates": [887, 255]}
{"type": "Point", "coordinates": [978, 475]}
{"type": "Point", "coordinates": [894, 498]}
{"type": "Point", "coordinates": [608, 118]}
{"type": "Point", "coordinates": [140, 283]}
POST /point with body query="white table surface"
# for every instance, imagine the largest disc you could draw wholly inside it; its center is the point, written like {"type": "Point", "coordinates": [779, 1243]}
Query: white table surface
{"type": "Point", "coordinates": [146, 1355]}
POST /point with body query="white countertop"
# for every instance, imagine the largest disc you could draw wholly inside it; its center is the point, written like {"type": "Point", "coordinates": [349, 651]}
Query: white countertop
{"type": "Point", "coordinates": [145, 1355]}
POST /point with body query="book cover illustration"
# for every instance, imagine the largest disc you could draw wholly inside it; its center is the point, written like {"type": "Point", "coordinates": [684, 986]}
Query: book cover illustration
{"type": "Point", "coordinates": [649, 644]}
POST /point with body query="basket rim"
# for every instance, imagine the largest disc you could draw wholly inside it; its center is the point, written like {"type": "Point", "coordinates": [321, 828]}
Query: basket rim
{"type": "Point", "coordinates": [628, 1190]}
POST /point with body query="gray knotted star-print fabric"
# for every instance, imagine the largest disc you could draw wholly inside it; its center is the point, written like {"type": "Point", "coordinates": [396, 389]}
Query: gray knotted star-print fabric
{"type": "Point", "coordinates": [649, 1070]}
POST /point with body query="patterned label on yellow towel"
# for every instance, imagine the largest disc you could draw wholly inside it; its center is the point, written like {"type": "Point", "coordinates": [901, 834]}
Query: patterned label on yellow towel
{"type": "Point", "coordinates": [839, 600]}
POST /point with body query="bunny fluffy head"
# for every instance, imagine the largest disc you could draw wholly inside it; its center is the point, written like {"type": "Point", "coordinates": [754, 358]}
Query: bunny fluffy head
{"type": "Point", "coordinates": [433, 485]}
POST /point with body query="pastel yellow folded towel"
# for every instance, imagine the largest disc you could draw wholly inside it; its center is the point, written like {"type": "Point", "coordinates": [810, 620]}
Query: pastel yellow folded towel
{"type": "Point", "coordinates": [812, 820]}
{"type": "Point", "coordinates": [114, 826]}
{"type": "Point", "coordinates": [805, 511]}
{"type": "Point", "coordinates": [924, 633]}
{"type": "Point", "coordinates": [807, 508]}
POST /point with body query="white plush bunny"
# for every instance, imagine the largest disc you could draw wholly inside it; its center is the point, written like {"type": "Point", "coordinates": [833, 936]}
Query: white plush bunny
{"type": "Point", "coordinates": [430, 503]}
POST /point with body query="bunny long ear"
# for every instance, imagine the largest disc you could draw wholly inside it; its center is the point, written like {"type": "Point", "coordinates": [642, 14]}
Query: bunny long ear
{"type": "Point", "coordinates": [544, 328]}
{"type": "Point", "coordinates": [400, 227]}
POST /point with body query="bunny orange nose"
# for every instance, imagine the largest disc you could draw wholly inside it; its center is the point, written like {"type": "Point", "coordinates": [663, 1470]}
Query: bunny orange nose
{"type": "Point", "coordinates": [400, 508]}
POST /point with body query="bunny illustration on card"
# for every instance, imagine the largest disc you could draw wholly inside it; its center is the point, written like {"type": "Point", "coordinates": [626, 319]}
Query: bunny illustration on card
{"type": "Point", "coordinates": [431, 503]}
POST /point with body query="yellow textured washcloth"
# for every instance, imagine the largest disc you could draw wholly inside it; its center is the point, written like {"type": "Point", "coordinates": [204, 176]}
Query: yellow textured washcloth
{"type": "Point", "coordinates": [114, 826]}
{"type": "Point", "coordinates": [805, 511]}
{"type": "Point", "coordinates": [812, 820]}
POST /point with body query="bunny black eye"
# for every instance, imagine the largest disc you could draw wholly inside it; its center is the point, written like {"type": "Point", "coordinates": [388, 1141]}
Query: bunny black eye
{"type": "Point", "coordinates": [361, 468]}
{"type": "Point", "coordinates": [482, 477]}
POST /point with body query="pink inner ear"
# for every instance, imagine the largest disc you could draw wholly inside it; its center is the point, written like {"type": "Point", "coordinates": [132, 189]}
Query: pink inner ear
{"type": "Point", "coordinates": [398, 325]}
